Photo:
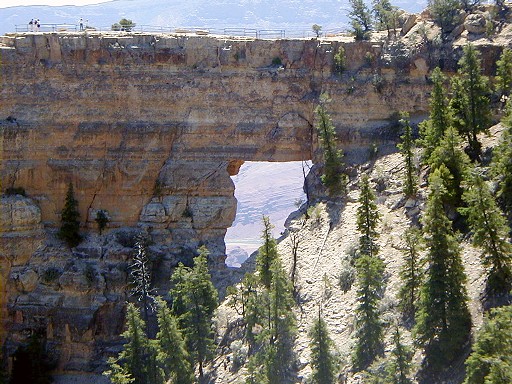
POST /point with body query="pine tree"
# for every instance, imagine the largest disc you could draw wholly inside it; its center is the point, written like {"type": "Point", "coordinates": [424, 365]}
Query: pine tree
{"type": "Point", "coordinates": [490, 233]}
{"type": "Point", "coordinates": [491, 359]}
{"type": "Point", "coordinates": [322, 359]}
{"type": "Point", "coordinates": [445, 13]}
{"type": "Point", "coordinates": [269, 309]}
{"type": "Point", "coordinates": [411, 273]}
{"type": "Point", "coordinates": [267, 253]}
{"type": "Point", "coordinates": [470, 102]}
{"type": "Point", "coordinates": [134, 362]}
{"type": "Point", "coordinates": [247, 298]}
{"type": "Point", "coordinates": [172, 355]}
{"type": "Point", "coordinates": [504, 72]}
{"type": "Point", "coordinates": [407, 149]}
{"type": "Point", "coordinates": [361, 19]}
{"type": "Point", "coordinates": [443, 319]}
{"type": "Point", "coordinates": [432, 130]}
{"type": "Point", "coordinates": [386, 15]}
{"type": "Point", "coordinates": [369, 327]}
{"type": "Point", "coordinates": [333, 177]}
{"type": "Point", "coordinates": [70, 218]}
{"type": "Point", "coordinates": [279, 337]}
{"type": "Point", "coordinates": [141, 278]}
{"type": "Point", "coordinates": [456, 163]}
{"type": "Point", "coordinates": [501, 167]}
{"type": "Point", "coordinates": [367, 219]}
{"type": "Point", "coordinates": [399, 367]}
{"type": "Point", "coordinates": [195, 301]}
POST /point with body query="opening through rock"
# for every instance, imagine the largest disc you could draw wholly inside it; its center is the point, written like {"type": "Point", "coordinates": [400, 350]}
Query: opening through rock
{"type": "Point", "coordinates": [274, 189]}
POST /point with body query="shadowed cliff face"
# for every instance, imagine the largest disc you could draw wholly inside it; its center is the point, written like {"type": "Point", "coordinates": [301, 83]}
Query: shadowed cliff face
{"type": "Point", "coordinates": [150, 128]}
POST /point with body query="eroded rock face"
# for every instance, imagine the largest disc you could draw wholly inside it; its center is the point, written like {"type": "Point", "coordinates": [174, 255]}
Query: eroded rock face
{"type": "Point", "coordinates": [149, 128]}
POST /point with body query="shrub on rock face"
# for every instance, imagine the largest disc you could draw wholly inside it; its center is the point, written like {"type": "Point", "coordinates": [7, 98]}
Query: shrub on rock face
{"type": "Point", "coordinates": [101, 219]}
{"type": "Point", "coordinates": [70, 227]}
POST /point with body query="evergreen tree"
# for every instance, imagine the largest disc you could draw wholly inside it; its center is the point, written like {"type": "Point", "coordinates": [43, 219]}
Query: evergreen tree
{"type": "Point", "coordinates": [267, 253]}
{"type": "Point", "coordinates": [501, 167]}
{"type": "Point", "coordinates": [246, 301]}
{"type": "Point", "coordinates": [490, 232]}
{"type": "Point", "coordinates": [443, 319]}
{"type": "Point", "coordinates": [367, 219]}
{"type": "Point", "coordinates": [333, 177]}
{"type": "Point", "coordinates": [322, 359]}
{"type": "Point", "coordinates": [195, 301]}
{"type": "Point", "coordinates": [432, 130]}
{"type": "Point", "coordinates": [141, 278]}
{"type": "Point", "coordinates": [386, 15]}
{"type": "Point", "coordinates": [411, 273]}
{"type": "Point", "coordinates": [70, 218]}
{"type": "Point", "coordinates": [453, 164]}
{"type": "Point", "coordinates": [172, 355]}
{"type": "Point", "coordinates": [361, 19]}
{"type": "Point", "coordinates": [445, 13]}
{"type": "Point", "coordinates": [470, 102]}
{"type": "Point", "coordinates": [399, 368]}
{"type": "Point", "coordinates": [369, 327]}
{"type": "Point", "coordinates": [269, 310]}
{"type": "Point", "coordinates": [407, 149]}
{"type": "Point", "coordinates": [491, 359]}
{"type": "Point", "coordinates": [134, 363]}
{"type": "Point", "coordinates": [504, 72]}
{"type": "Point", "coordinates": [279, 337]}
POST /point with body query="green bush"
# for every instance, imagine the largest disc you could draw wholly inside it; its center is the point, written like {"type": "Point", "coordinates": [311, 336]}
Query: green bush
{"type": "Point", "coordinates": [339, 61]}
{"type": "Point", "coordinates": [101, 219]}
{"type": "Point", "coordinates": [90, 274]}
{"type": "Point", "coordinates": [277, 62]}
{"type": "Point", "coordinates": [51, 274]}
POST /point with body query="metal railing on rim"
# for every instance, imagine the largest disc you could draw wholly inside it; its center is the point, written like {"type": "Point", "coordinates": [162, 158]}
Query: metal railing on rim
{"type": "Point", "coordinates": [46, 27]}
{"type": "Point", "coordinates": [202, 31]}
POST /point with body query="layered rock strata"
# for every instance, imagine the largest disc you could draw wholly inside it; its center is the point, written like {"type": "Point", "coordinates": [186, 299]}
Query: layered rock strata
{"type": "Point", "coordinates": [149, 128]}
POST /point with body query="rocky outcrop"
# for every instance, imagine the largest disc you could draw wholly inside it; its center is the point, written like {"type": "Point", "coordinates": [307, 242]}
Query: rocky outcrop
{"type": "Point", "coordinates": [149, 128]}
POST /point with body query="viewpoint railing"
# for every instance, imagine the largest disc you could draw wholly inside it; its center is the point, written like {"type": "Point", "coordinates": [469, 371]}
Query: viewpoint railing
{"type": "Point", "coordinates": [45, 27]}
{"type": "Point", "coordinates": [201, 31]}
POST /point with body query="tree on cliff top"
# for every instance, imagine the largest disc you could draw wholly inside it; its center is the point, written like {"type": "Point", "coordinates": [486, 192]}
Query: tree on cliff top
{"type": "Point", "coordinates": [70, 228]}
{"type": "Point", "coordinates": [123, 25]}
{"type": "Point", "coordinates": [361, 19]}
{"type": "Point", "coordinates": [445, 13]}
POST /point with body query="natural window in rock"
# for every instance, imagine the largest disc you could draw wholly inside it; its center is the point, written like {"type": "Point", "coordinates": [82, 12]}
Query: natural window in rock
{"type": "Point", "coordinates": [262, 188]}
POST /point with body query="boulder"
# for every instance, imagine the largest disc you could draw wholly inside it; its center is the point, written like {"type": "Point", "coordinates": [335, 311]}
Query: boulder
{"type": "Point", "coordinates": [409, 22]}
{"type": "Point", "coordinates": [475, 23]}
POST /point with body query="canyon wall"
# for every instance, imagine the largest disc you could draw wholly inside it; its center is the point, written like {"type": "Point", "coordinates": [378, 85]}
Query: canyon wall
{"type": "Point", "coordinates": [149, 128]}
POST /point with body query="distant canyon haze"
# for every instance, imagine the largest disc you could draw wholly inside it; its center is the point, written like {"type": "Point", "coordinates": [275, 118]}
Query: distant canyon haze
{"type": "Point", "coordinates": [294, 16]}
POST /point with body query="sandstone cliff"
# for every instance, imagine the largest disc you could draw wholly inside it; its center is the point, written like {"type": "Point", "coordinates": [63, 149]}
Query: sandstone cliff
{"type": "Point", "coordinates": [149, 127]}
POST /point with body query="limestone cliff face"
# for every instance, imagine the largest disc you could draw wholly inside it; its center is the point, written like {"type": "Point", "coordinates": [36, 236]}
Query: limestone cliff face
{"type": "Point", "coordinates": [149, 128]}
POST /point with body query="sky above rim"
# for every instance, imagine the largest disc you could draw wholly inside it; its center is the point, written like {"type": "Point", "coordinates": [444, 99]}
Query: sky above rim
{"type": "Point", "coordinates": [15, 3]}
